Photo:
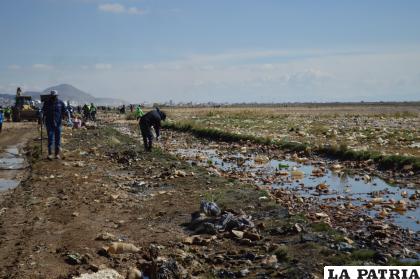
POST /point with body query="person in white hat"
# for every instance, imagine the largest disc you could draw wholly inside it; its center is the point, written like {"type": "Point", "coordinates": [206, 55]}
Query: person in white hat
{"type": "Point", "coordinates": [53, 112]}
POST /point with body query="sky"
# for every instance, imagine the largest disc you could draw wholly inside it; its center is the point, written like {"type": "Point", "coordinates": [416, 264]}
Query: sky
{"type": "Point", "coordinates": [214, 50]}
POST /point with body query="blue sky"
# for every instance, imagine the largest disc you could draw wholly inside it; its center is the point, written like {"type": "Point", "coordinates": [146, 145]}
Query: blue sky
{"type": "Point", "coordinates": [196, 50]}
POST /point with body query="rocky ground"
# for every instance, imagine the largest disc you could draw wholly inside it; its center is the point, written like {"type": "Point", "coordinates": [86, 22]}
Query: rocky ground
{"type": "Point", "coordinates": [112, 210]}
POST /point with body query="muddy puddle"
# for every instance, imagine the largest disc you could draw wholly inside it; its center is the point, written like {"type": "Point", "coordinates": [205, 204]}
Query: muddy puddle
{"type": "Point", "coordinates": [338, 187]}
{"type": "Point", "coordinates": [333, 187]}
{"type": "Point", "coordinates": [12, 167]}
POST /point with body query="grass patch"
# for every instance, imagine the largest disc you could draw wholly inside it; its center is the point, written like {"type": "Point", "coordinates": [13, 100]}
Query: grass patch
{"type": "Point", "coordinates": [356, 257]}
{"type": "Point", "coordinates": [320, 227]}
{"type": "Point", "coordinates": [396, 262]}
{"type": "Point", "coordinates": [362, 255]}
{"type": "Point", "coordinates": [282, 254]}
{"type": "Point", "coordinates": [384, 161]}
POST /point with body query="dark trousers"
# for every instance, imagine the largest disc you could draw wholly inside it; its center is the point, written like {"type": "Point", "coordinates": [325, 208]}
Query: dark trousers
{"type": "Point", "coordinates": [146, 133]}
{"type": "Point", "coordinates": [54, 137]}
{"type": "Point", "coordinates": [1, 126]}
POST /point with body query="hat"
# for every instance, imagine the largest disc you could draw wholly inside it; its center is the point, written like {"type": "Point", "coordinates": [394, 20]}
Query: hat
{"type": "Point", "coordinates": [53, 93]}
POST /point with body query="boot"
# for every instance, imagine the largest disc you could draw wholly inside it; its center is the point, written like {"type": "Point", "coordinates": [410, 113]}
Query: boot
{"type": "Point", "coordinates": [57, 154]}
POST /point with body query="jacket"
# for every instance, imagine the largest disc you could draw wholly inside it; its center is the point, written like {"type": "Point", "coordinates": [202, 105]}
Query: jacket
{"type": "Point", "coordinates": [152, 118]}
{"type": "Point", "coordinates": [53, 112]}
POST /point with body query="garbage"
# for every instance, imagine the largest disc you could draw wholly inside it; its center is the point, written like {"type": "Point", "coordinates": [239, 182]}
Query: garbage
{"type": "Point", "coordinates": [102, 274]}
{"type": "Point", "coordinates": [209, 208]}
{"type": "Point", "coordinates": [283, 166]}
{"type": "Point", "coordinates": [169, 269]}
{"type": "Point", "coordinates": [73, 259]}
{"type": "Point", "coordinates": [134, 273]}
{"type": "Point", "coordinates": [229, 222]}
{"type": "Point", "coordinates": [344, 246]}
{"type": "Point", "coordinates": [238, 234]}
{"type": "Point", "coordinates": [120, 248]}
{"type": "Point", "coordinates": [106, 237]}
{"type": "Point", "coordinates": [401, 205]}
{"type": "Point", "coordinates": [251, 236]}
{"type": "Point", "coordinates": [243, 273]}
{"type": "Point", "coordinates": [261, 159]}
{"type": "Point", "coordinates": [270, 261]}
{"type": "Point", "coordinates": [297, 173]}
{"type": "Point", "coordinates": [367, 178]}
{"type": "Point", "coordinates": [198, 240]}
{"type": "Point", "coordinates": [336, 167]}
{"type": "Point", "coordinates": [180, 173]}
{"type": "Point", "coordinates": [322, 187]}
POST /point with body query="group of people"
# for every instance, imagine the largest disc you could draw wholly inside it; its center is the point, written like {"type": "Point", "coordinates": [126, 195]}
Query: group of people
{"type": "Point", "coordinates": [89, 112]}
{"type": "Point", "coordinates": [54, 111]}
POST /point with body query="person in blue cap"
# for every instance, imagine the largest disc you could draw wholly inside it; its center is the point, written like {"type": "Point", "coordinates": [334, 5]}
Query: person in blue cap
{"type": "Point", "coordinates": [53, 112]}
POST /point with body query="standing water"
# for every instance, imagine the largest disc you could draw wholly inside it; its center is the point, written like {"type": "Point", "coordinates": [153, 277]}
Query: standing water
{"type": "Point", "coordinates": [373, 194]}
{"type": "Point", "coordinates": [12, 165]}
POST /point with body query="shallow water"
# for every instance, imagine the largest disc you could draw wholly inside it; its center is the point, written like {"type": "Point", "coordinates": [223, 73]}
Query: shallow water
{"type": "Point", "coordinates": [12, 164]}
{"type": "Point", "coordinates": [11, 159]}
{"type": "Point", "coordinates": [8, 184]}
{"type": "Point", "coordinates": [343, 187]}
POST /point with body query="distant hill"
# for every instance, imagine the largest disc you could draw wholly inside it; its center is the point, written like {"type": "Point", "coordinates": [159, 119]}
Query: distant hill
{"type": "Point", "coordinates": [67, 92]}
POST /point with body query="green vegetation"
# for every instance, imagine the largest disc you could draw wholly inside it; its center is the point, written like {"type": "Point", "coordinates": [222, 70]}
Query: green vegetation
{"type": "Point", "coordinates": [356, 257]}
{"type": "Point", "coordinates": [282, 254]}
{"type": "Point", "coordinates": [131, 116]}
{"type": "Point", "coordinates": [383, 161]}
{"type": "Point", "coordinates": [396, 262]}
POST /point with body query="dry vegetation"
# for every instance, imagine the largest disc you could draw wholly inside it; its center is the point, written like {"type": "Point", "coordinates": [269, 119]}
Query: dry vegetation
{"type": "Point", "coordinates": [386, 129]}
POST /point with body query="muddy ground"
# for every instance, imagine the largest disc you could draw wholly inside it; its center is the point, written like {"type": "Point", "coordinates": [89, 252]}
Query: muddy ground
{"type": "Point", "coordinates": [62, 219]}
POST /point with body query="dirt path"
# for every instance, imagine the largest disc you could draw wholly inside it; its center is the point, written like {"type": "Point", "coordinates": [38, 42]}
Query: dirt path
{"type": "Point", "coordinates": [16, 133]}
{"type": "Point", "coordinates": [64, 205]}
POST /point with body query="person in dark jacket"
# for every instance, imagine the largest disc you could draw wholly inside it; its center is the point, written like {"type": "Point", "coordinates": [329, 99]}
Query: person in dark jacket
{"type": "Point", "coordinates": [146, 122]}
{"type": "Point", "coordinates": [1, 118]}
{"type": "Point", "coordinates": [53, 112]}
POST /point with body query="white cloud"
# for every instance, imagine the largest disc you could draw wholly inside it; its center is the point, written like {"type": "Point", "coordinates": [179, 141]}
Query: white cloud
{"type": "Point", "coordinates": [102, 66]}
{"type": "Point", "coordinates": [136, 11]}
{"type": "Point", "coordinates": [42, 66]}
{"type": "Point", "coordinates": [249, 76]}
{"type": "Point", "coordinates": [14, 67]}
{"type": "Point", "coordinates": [117, 8]}
{"type": "Point", "coordinates": [112, 8]}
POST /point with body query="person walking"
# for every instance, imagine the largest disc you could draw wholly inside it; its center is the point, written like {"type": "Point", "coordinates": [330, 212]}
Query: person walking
{"type": "Point", "coordinates": [92, 111]}
{"type": "Point", "coordinates": [70, 109]}
{"type": "Point", "coordinates": [139, 112]}
{"type": "Point", "coordinates": [1, 118]}
{"type": "Point", "coordinates": [7, 113]}
{"type": "Point", "coordinates": [86, 112]}
{"type": "Point", "coordinates": [53, 112]}
{"type": "Point", "coordinates": [151, 119]}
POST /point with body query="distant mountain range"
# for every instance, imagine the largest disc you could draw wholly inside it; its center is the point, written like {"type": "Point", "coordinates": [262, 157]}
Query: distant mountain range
{"type": "Point", "coordinates": [66, 92]}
